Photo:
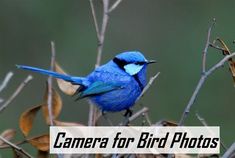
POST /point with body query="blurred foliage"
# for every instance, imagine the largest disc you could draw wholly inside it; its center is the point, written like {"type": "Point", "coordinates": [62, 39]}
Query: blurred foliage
{"type": "Point", "coordinates": [172, 32]}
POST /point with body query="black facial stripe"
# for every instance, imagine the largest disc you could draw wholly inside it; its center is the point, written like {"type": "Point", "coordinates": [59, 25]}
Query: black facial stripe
{"type": "Point", "coordinates": [122, 63]}
{"type": "Point", "coordinates": [138, 81]}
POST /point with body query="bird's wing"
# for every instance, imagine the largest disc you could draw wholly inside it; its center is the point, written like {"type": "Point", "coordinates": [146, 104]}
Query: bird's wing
{"type": "Point", "coordinates": [99, 87]}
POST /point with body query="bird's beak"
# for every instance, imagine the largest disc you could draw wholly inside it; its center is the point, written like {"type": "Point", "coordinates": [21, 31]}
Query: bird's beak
{"type": "Point", "coordinates": [151, 61]}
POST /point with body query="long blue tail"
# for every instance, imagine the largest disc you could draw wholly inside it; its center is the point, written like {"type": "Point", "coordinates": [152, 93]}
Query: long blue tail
{"type": "Point", "coordinates": [72, 79]}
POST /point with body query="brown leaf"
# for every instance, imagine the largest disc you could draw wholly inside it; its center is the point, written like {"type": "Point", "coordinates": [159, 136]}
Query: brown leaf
{"type": "Point", "coordinates": [64, 86]}
{"type": "Point", "coordinates": [40, 142]}
{"type": "Point", "coordinates": [166, 123]}
{"type": "Point", "coordinates": [27, 118]}
{"type": "Point", "coordinates": [232, 69]}
{"type": "Point", "coordinates": [8, 135]}
{"type": "Point", "coordinates": [56, 105]}
{"type": "Point", "coordinates": [60, 123]}
{"type": "Point", "coordinates": [230, 61]}
{"type": "Point", "coordinates": [43, 154]}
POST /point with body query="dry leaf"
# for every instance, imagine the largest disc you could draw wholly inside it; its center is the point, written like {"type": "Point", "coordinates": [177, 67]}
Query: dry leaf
{"type": "Point", "coordinates": [40, 142]}
{"type": "Point", "coordinates": [27, 118]}
{"type": "Point", "coordinates": [60, 123]}
{"type": "Point", "coordinates": [43, 154]}
{"type": "Point", "coordinates": [8, 135]}
{"type": "Point", "coordinates": [64, 86]}
{"type": "Point", "coordinates": [231, 62]}
{"type": "Point", "coordinates": [56, 105]}
{"type": "Point", "coordinates": [166, 123]}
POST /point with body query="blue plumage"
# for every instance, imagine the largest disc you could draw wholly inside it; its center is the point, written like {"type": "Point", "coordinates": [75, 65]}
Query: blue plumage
{"type": "Point", "coordinates": [114, 86]}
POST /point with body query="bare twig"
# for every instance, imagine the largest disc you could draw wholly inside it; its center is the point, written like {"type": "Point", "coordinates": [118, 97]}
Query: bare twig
{"type": "Point", "coordinates": [114, 6]}
{"type": "Point", "coordinates": [102, 32]}
{"type": "Point", "coordinates": [230, 152]}
{"type": "Point", "coordinates": [148, 85]}
{"type": "Point", "coordinates": [199, 85]}
{"type": "Point", "coordinates": [49, 80]}
{"type": "Point", "coordinates": [6, 80]}
{"type": "Point", "coordinates": [17, 91]}
{"type": "Point", "coordinates": [15, 147]}
{"type": "Point", "coordinates": [95, 19]}
{"type": "Point", "coordinates": [204, 53]}
{"type": "Point", "coordinates": [217, 47]}
{"type": "Point", "coordinates": [203, 121]}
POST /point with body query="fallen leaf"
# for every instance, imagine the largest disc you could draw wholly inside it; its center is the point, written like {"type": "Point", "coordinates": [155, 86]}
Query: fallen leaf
{"type": "Point", "coordinates": [40, 142]}
{"type": "Point", "coordinates": [8, 135]}
{"type": "Point", "coordinates": [61, 123]}
{"type": "Point", "coordinates": [56, 105]}
{"type": "Point", "coordinates": [27, 118]}
{"type": "Point", "coordinates": [65, 86]}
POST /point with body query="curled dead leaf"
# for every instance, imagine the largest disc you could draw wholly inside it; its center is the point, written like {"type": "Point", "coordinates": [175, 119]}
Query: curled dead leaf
{"type": "Point", "coordinates": [61, 123]}
{"type": "Point", "coordinates": [56, 105]}
{"type": "Point", "coordinates": [40, 142]}
{"type": "Point", "coordinates": [64, 86]}
{"type": "Point", "coordinates": [166, 123]}
{"type": "Point", "coordinates": [8, 135]}
{"type": "Point", "coordinates": [27, 118]}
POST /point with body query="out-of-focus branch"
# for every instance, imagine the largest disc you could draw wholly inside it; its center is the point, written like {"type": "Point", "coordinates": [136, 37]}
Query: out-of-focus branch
{"type": "Point", "coordinates": [203, 121]}
{"type": "Point", "coordinates": [6, 80]}
{"type": "Point", "coordinates": [114, 6]}
{"type": "Point", "coordinates": [15, 147]}
{"type": "Point", "coordinates": [49, 80]}
{"type": "Point", "coordinates": [230, 152]}
{"type": "Point", "coordinates": [17, 91]}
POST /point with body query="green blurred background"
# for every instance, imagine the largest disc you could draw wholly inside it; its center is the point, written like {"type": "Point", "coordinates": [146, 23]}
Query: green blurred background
{"type": "Point", "coordinates": [172, 32]}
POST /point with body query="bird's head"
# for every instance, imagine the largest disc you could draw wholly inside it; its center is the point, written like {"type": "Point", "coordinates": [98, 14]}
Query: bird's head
{"type": "Point", "coordinates": [132, 62]}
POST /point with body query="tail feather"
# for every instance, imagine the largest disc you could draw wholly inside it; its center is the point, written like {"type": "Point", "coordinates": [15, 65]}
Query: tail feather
{"type": "Point", "coordinates": [72, 79]}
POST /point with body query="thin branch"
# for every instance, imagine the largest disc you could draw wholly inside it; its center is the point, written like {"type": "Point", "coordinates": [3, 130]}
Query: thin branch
{"type": "Point", "coordinates": [152, 79]}
{"type": "Point", "coordinates": [230, 152]}
{"type": "Point", "coordinates": [15, 147]}
{"type": "Point", "coordinates": [95, 20]}
{"type": "Point", "coordinates": [6, 80]}
{"type": "Point", "coordinates": [199, 85]}
{"type": "Point", "coordinates": [203, 121]}
{"type": "Point", "coordinates": [49, 96]}
{"type": "Point", "coordinates": [114, 6]}
{"type": "Point", "coordinates": [102, 32]}
{"type": "Point", "coordinates": [217, 47]}
{"type": "Point", "coordinates": [17, 91]}
{"type": "Point", "coordinates": [204, 53]}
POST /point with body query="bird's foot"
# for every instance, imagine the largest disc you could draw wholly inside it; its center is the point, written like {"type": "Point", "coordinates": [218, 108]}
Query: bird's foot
{"type": "Point", "coordinates": [127, 115]}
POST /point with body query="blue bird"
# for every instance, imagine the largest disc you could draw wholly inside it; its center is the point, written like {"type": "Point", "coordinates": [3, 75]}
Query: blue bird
{"type": "Point", "coordinates": [114, 86]}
